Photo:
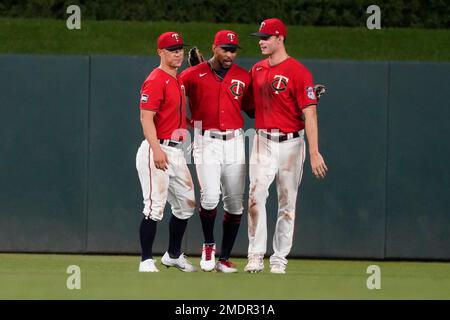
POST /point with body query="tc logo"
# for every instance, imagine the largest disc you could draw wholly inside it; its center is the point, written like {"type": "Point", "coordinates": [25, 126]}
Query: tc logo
{"type": "Point", "coordinates": [176, 36]}
{"type": "Point", "coordinates": [374, 281]}
{"type": "Point", "coordinates": [279, 83]}
{"type": "Point", "coordinates": [262, 25]}
{"type": "Point", "coordinates": [237, 88]}
{"type": "Point", "coordinates": [231, 36]}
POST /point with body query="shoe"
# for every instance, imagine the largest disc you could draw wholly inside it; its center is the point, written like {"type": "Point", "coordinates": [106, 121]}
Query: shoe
{"type": "Point", "coordinates": [225, 266]}
{"type": "Point", "coordinates": [255, 264]}
{"type": "Point", "coordinates": [148, 266]}
{"type": "Point", "coordinates": [278, 268]}
{"type": "Point", "coordinates": [180, 263]}
{"type": "Point", "coordinates": [208, 257]}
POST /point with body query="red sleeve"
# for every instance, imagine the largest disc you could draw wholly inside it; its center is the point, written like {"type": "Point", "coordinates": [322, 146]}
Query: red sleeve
{"type": "Point", "coordinates": [305, 90]}
{"type": "Point", "coordinates": [152, 95]}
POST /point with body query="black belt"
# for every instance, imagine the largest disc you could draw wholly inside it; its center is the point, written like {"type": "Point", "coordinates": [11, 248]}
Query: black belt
{"type": "Point", "coordinates": [170, 143]}
{"type": "Point", "coordinates": [214, 135]}
{"type": "Point", "coordinates": [278, 138]}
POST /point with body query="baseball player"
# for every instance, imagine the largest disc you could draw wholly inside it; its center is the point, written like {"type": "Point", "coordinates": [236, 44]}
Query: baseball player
{"type": "Point", "coordinates": [215, 89]}
{"type": "Point", "coordinates": [282, 94]}
{"type": "Point", "coordinates": [162, 169]}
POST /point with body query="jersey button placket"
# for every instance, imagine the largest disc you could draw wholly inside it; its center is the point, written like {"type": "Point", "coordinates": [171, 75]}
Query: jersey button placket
{"type": "Point", "coordinates": [220, 107]}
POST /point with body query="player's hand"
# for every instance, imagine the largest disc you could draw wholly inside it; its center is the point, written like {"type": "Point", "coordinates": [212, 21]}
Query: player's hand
{"type": "Point", "coordinates": [318, 166]}
{"type": "Point", "coordinates": [160, 159]}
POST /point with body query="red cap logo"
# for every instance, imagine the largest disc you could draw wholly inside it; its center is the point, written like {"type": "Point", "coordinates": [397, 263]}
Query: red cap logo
{"type": "Point", "coordinates": [170, 40]}
{"type": "Point", "coordinates": [226, 39]}
{"type": "Point", "coordinates": [271, 27]}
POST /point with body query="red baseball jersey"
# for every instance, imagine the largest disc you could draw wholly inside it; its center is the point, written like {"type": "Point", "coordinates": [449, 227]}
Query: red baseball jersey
{"type": "Point", "coordinates": [164, 94]}
{"type": "Point", "coordinates": [216, 103]}
{"type": "Point", "coordinates": [279, 94]}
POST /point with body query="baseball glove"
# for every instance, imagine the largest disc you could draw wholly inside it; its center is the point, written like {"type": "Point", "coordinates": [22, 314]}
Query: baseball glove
{"type": "Point", "coordinates": [195, 57]}
{"type": "Point", "coordinates": [320, 90]}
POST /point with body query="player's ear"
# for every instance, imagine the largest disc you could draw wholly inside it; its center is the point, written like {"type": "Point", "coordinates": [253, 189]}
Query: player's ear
{"type": "Point", "coordinates": [213, 48]}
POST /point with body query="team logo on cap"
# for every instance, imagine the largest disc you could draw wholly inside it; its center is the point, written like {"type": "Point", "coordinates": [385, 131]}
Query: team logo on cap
{"type": "Point", "coordinates": [311, 93]}
{"type": "Point", "coordinates": [279, 83]}
{"type": "Point", "coordinates": [176, 36]}
{"type": "Point", "coordinates": [231, 36]}
{"type": "Point", "coordinates": [262, 25]}
{"type": "Point", "coordinates": [237, 88]}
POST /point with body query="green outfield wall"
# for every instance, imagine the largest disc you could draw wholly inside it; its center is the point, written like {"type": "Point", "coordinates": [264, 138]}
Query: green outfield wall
{"type": "Point", "coordinates": [70, 131]}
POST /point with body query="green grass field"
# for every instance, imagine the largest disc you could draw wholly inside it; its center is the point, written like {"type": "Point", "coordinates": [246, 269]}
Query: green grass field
{"type": "Point", "coordinates": [47, 36]}
{"type": "Point", "coordinates": [43, 276]}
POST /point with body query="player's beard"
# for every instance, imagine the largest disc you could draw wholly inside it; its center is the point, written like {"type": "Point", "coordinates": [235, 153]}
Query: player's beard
{"type": "Point", "coordinates": [226, 63]}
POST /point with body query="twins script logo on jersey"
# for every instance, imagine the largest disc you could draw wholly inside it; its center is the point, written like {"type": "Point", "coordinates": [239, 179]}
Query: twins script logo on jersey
{"type": "Point", "coordinates": [311, 93]}
{"type": "Point", "coordinates": [279, 83]}
{"type": "Point", "coordinates": [237, 88]}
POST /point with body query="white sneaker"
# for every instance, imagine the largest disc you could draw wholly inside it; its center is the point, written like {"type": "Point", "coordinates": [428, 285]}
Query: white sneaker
{"type": "Point", "coordinates": [148, 266]}
{"type": "Point", "coordinates": [255, 264]}
{"type": "Point", "coordinates": [226, 266]}
{"type": "Point", "coordinates": [208, 257]}
{"type": "Point", "coordinates": [180, 263]}
{"type": "Point", "coordinates": [278, 268]}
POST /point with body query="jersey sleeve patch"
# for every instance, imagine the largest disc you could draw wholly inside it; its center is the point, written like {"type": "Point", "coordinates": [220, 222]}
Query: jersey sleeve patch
{"type": "Point", "coordinates": [310, 93]}
{"type": "Point", "coordinates": [144, 98]}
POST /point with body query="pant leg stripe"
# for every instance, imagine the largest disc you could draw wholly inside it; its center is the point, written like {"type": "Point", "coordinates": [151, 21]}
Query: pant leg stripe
{"type": "Point", "coordinates": [150, 177]}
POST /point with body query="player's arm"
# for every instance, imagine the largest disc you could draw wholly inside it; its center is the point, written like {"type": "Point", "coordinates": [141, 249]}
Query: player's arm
{"type": "Point", "coordinates": [148, 125]}
{"type": "Point", "coordinates": [318, 165]}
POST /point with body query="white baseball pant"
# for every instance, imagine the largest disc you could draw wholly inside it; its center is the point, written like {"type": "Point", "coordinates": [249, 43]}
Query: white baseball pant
{"type": "Point", "coordinates": [220, 166]}
{"type": "Point", "coordinates": [174, 185]}
{"type": "Point", "coordinates": [282, 161]}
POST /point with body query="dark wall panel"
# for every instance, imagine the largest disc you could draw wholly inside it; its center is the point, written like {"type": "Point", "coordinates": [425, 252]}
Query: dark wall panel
{"type": "Point", "coordinates": [418, 224]}
{"type": "Point", "coordinates": [43, 129]}
{"type": "Point", "coordinates": [115, 198]}
{"type": "Point", "coordinates": [344, 215]}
